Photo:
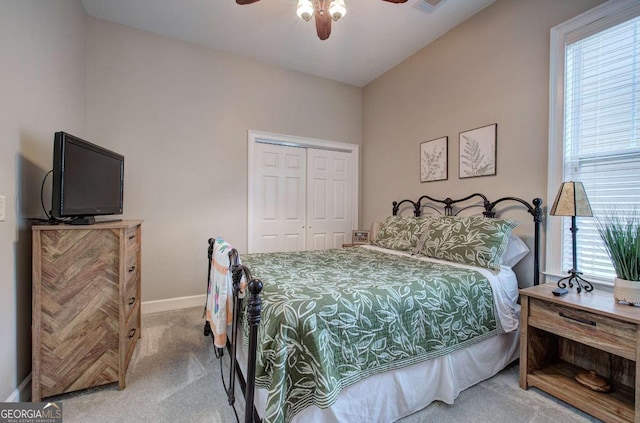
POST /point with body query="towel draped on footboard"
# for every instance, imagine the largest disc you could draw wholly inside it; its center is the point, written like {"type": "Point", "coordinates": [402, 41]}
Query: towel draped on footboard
{"type": "Point", "coordinates": [219, 307]}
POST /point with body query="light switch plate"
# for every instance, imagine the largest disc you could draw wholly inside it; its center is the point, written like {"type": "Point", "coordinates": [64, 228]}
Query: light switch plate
{"type": "Point", "coordinates": [2, 204]}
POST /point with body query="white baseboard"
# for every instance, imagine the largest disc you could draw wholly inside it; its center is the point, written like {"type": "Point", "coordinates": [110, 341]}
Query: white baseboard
{"type": "Point", "coordinates": [23, 392]}
{"type": "Point", "coordinates": [173, 304]}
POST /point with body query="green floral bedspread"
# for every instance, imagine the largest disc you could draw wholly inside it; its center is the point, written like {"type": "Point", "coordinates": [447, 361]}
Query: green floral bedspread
{"type": "Point", "coordinates": [331, 318]}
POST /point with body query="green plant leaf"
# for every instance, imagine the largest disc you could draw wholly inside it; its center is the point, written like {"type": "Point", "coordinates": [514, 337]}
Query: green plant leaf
{"type": "Point", "coordinates": [621, 237]}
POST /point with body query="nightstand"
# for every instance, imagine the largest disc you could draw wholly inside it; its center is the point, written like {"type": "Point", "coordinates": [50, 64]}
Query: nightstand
{"type": "Point", "coordinates": [561, 336]}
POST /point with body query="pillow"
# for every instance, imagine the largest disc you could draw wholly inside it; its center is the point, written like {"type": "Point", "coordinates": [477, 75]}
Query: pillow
{"type": "Point", "coordinates": [401, 232]}
{"type": "Point", "coordinates": [423, 223]}
{"type": "Point", "coordinates": [473, 240]}
{"type": "Point", "coordinates": [424, 235]}
{"type": "Point", "coordinates": [516, 250]}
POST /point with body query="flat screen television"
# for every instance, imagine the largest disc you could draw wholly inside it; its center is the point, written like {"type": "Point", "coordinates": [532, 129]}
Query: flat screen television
{"type": "Point", "coordinates": [88, 180]}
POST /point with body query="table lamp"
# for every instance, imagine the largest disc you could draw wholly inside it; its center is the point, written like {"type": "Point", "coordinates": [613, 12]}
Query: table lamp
{"type": "Point", "coordinates": [572, 201]}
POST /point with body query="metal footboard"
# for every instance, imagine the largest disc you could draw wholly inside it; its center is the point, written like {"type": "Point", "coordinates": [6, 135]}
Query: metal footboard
{"type": "Point", "coordinates": [254, 308]}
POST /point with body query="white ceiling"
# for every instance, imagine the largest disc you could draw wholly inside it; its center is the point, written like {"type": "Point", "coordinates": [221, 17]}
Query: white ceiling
{"type": "Point", "coordinates": [370, 39]}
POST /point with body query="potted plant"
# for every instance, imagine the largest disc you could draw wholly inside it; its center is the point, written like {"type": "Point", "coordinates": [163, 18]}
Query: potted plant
{"type": "Point", "coordinates": [621, 237]}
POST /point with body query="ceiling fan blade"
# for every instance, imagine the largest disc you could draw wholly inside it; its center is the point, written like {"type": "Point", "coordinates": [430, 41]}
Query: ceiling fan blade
{"type": "Point", "coordinates": [323, 24]}
{"type": "Point", "coordinates": [396, 1]}
{"type": "Point", "coordinates": [248, 1]}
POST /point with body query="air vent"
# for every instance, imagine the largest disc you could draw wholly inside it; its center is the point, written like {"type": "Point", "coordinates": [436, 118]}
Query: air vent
{"type": "Point", "coordinates": [428, 6]}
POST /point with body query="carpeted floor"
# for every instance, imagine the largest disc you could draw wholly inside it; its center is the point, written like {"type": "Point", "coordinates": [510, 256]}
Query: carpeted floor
{"type": "Point", "coordinates": [175, 377]}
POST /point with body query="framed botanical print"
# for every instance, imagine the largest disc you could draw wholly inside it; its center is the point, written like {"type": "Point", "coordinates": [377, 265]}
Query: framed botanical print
{"type": "Point", "coordinates": [433, 160]}
{"type": "Point", "coordinates": [477, 152]}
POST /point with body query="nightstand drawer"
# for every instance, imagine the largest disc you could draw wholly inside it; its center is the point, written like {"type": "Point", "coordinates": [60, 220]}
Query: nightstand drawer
{"type": "Point", "coordinates": [601, 332]}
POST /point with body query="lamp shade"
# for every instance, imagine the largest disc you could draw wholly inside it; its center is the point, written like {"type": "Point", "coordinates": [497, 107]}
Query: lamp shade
{"type": "Point", "coordinates": [571, 201]}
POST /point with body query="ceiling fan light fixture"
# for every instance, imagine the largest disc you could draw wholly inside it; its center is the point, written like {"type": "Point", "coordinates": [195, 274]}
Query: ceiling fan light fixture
{"type": "Point", "coordinates": [305, 10]}
{"type": "Point", "coordinates": [308, 8]}
{"type": "Point", "coordinates": [337, 9]}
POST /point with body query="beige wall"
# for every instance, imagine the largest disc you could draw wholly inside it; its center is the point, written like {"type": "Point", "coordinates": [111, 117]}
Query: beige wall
{"type": "Point", "coordinates": [179, 114]}
{"type": "Point", "coordinates": [42, 81]}
{"type": "Point", "coordinates": [493, 68]}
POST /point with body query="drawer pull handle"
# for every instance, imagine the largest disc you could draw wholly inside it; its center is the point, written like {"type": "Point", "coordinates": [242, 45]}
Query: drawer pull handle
{"type": "Point", "coordinates": [131, 237]}
{"type": "Point", "coordinates": [577, 319]}
{"type": "Point", "coordinates": [132, 332]}
{"type": "Point", "coordinates": [132, 268]}
{"type": "Point", "coordinates": [132, 300]}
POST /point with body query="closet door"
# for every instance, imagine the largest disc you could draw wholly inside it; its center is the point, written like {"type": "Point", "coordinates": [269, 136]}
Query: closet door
{"type": "Point", "coordinates": [329, 198]}
{"type": "Point", "coordinates": [279, 198]}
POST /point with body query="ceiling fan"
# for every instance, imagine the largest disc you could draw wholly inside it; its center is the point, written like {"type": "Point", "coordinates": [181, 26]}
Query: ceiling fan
{"type": "Point", "coordinates": [324, 10]}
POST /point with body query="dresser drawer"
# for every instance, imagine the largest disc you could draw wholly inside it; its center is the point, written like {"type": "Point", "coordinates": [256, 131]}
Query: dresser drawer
{"type": "Point", "coordinates": [601, 332]}
{"type": "Point", "coordinates": [132, 238]}
{"type": "Point", "coordinates": [130, 300]}
{"type": "Point", "coordinates": [131, 269]}
{"type": "Point", "coordinates": [132, 333]}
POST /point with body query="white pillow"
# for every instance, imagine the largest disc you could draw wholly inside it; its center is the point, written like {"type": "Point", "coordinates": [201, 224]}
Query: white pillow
{"type": "Point", "coordinates": [516, 250]}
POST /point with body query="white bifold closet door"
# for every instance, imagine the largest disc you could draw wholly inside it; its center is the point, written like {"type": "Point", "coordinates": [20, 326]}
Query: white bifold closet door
{"type": "Point", "coordinates": [279, 198]}
{"type": "Point", "coordinates": [329, 185]}
{"type": "Point", "coordinates": [302, 198]}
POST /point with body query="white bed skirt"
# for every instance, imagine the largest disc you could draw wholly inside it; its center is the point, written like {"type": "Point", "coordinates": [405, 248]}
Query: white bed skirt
{"type": "Point", "coordinates": [391, 395]}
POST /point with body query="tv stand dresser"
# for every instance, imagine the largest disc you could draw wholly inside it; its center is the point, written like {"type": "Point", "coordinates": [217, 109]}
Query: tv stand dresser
{"type": "Point", "coordinates": [86, 305]}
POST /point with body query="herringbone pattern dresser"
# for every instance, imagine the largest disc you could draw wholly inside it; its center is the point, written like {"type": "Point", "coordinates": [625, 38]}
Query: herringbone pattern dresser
{"type": "Point", "coordinates": [86, 305]}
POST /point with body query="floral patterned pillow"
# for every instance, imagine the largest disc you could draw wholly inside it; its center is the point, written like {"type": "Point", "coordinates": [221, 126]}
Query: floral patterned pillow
{"type": "Point", "coordinates": [401, 232]}
{"type": "Point", "coordinates": [473, 240]}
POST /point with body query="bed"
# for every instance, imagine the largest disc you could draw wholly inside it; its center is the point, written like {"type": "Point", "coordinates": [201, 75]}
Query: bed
{"type": "Point", "coordinates": [377, 332]}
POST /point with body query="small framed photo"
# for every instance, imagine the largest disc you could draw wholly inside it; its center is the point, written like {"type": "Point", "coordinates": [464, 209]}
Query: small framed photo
{"type": "Point", "coordinates": [360, 237]}
{"type": "Point", "coordinates": [478, 152]}
{"type": "Point", "coordinates": [433, 160]}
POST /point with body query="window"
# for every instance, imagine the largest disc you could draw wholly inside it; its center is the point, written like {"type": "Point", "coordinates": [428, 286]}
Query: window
{"type": "Point", "coordinates": [595, 127]}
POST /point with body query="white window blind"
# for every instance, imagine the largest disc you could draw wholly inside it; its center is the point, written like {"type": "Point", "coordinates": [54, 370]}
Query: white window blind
{"type": "Point", "coordinates": [602, 134]}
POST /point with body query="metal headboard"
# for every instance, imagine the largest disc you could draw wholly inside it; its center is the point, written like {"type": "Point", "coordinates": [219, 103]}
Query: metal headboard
{"type": "Point", "coordinates": [450, 207]}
